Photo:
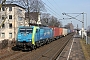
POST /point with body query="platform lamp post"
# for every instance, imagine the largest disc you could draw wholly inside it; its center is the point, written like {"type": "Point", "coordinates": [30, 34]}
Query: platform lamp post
{"type": "Point", "coordinates": [77, 19]}
{"type": "Point", "coordinates": [86, 30]}
{"type": "Point", "coordinates": [83, 31]}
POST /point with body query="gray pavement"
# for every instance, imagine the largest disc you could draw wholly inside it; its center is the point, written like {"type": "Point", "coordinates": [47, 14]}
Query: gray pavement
{"type": "Point", "coordinates": [72, 51]}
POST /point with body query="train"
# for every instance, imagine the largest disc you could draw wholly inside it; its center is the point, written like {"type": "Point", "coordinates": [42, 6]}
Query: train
{"type": "Point", "coordinates": [29, 38]}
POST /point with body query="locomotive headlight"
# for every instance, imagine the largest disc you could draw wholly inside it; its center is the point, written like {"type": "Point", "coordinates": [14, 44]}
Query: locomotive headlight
{"type": "Point", "coordinates": [19, 40]}
{"type": "Point", "coordinates": [30, 40]}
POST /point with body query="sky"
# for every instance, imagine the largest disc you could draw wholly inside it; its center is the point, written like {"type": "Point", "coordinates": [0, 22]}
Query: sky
{"type": "Point", "coordinates": [57, 7]}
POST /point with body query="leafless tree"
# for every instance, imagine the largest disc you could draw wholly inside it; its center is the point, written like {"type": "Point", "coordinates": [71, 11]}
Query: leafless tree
{"type": "Point", "coordinates": [37, 6]}
{"type": "Point", "coordinates": [34, 5]}
{"type": "Point", "coordinates": [69, 26]}
{"type": "Point", "coordinates": [45, 17]}
{"type": "Point", "coordinates": [54, 22]}
{"type": "Point", "coordinates": [49, 20]}
{"type": "Point", "coordinates": [88, 29]}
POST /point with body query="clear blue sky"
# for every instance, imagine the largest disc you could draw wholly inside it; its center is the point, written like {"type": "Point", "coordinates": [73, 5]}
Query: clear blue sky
{"type": "Point", "coordinates": [69, 6]}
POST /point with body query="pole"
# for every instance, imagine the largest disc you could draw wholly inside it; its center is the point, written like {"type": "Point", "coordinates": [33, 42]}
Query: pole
{"type": "Point", "coordinates": [83, 26]}
{"type": "Point", "coordinates": [28, 13]}
{"type": "Point", "coordinates": [86, 38]}
{"type": "Point", "coordinates": [86, 21]}
{"type": "Point", "coordinates": [86, 30]}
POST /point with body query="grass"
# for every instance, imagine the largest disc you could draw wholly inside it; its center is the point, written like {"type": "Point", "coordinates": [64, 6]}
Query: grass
{"type": "Point", "coordinates": [86, 49]}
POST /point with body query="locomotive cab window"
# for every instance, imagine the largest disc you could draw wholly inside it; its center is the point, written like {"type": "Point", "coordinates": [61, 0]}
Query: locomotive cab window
{"type": "Point", "coordinates": [29, 30]}
{"type": "Point", "coordinates": [22, 30]}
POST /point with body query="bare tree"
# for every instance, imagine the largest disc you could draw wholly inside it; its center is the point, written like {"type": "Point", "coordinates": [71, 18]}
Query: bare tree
{"type": "Point", "coordinates": [88, 29]}
{"type": "Point", "coordinates": [45, 17]}
{"type": "Point", "coordinates": [69, 26]}
{"type": "Point", "coordinates": [54, 22]}
{"type": "Point", "coordinates": [34, 5]}
{"type": "Point", "coordinates": [49, 20]}
{"type": "Point", "coordinates": [37, 5]}
{"type": "Point", "coordinates": [59, 24]}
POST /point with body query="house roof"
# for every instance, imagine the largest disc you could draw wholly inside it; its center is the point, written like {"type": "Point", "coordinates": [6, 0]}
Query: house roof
{"type": "Point", "coordinates": [13, 5]}
{"type": "Point", "coordinates": [32, 15]}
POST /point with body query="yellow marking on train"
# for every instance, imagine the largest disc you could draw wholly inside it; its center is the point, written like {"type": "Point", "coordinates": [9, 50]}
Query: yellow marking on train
{"type": "Point", "coordinates": [33, 34]}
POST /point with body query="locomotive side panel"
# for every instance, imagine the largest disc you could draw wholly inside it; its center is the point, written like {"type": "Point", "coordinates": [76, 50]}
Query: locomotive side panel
{"type": "Point", "coordinates": [46, 32]}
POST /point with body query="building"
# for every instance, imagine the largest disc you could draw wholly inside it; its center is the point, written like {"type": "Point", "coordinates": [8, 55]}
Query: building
{"type": "Point", "coordinates": [14, 16]}
{"type": "Point", "coordinates": [34, 17]}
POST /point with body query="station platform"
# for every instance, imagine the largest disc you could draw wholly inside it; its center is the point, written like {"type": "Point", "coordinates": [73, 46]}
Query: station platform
{"type": "Point", "coordinates": [73, 50]}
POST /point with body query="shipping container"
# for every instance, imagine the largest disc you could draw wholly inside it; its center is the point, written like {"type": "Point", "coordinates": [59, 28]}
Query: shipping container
{"type": "Point", "coordinates": [60, 31]}
{"type": "Point", "coordinates": [64, 31]}
{"type": "Point", "coordinates": [55, 31]}
{"type": "Point", "coordinates": [68, 31]}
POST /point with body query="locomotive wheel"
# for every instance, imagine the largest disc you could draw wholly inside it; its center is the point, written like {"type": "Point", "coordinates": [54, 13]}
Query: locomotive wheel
{"type": "Point", "coordinates": [39, 44]}
{"type": "Point", "coordinates": [33, 47]}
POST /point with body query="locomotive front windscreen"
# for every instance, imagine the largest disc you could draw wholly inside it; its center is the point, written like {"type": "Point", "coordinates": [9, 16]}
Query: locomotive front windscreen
{"type": "Point", "coordinates": [29, 30]}
{"type": "Point", "coordinates": [22, 30]}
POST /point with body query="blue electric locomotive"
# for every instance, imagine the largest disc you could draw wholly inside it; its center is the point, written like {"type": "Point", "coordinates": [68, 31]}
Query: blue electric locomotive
{"type": "Point", "coordinates": [33, 36]}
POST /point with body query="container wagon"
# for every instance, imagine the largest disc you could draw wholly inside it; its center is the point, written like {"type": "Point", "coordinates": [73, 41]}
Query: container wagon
{"type": "Point", "coordinates": [68, 31]}
{"type": "Point", "coordinates": [64, 32]}
{"type": "Point", "coordinates": [55, 32]}
{"type": "Point", "coordinates": [60, 32]}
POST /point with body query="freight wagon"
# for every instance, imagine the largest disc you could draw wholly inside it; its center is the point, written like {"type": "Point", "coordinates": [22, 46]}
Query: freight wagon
{"type": "Point", "coordinates": [56, 33]}
{"type": "Point", "coordinates": [60, 32]}
{"type": "Point", "coordinates": [65, 32]}
{"type": "Point", "coordinates": [68, 31]}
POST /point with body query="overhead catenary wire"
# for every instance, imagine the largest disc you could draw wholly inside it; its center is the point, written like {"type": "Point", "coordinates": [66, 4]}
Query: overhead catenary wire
{"type": "Point", "coordinates": [51, 10]}
{"type": "Point", "coordinates": [70, 18]}
{"type": "Point", "coordinates": [53, 6]}
{"type": "Point", "coordinates": [67, 13]}
{"type": "Point", "coordinates": [56, 3]}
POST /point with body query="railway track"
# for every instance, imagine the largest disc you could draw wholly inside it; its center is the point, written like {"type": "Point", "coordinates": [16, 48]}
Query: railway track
{"type": "Point", "coordinates": [55, 50]}
{"type": "Point", "coordinates": [46, 52]}
{"type": "Point", "coordinates": [9, 54]}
